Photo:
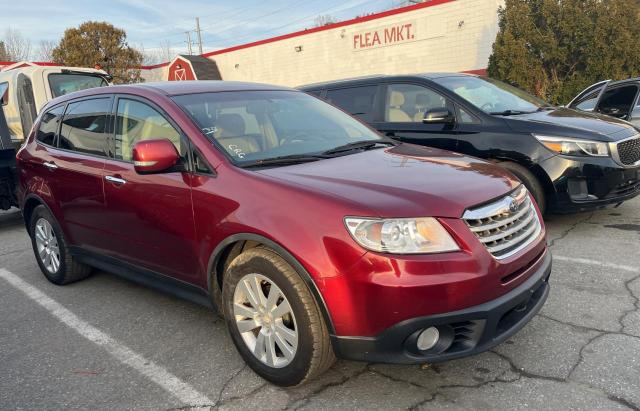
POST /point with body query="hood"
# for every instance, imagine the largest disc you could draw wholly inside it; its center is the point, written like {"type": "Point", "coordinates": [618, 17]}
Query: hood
{"type": "Point", "coordinates": [403, 181]}
{"type": "Point", "coordinates": [565, 122]}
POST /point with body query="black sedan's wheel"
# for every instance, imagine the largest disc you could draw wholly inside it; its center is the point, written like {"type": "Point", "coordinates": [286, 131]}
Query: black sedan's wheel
{"type": "Point", "coordinates": [530, 182]}
{"type": "Point", "coordinates": [274, 320]}
{"type": "Point", "coordinates": [51, 251]}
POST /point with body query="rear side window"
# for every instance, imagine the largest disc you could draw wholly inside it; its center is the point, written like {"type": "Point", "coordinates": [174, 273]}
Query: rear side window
{"type": "Point", "coordinates": [48, 127]}
{"type": "Point", "coordinates": [358, 101]}
{"type": "Point", "coordinates": [407, 103]}
{"type": "Point", "coordinates": [65, 83]}
{"type": "Point", "coordinates": [84, 127]}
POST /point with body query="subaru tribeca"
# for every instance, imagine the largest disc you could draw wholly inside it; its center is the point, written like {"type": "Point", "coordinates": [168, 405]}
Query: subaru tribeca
{"type": "Point", "coordinates": [312, 235]}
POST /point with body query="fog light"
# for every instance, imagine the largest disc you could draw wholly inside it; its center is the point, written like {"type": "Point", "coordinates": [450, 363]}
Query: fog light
{"type": "Point", "coordinates": [428, 338]}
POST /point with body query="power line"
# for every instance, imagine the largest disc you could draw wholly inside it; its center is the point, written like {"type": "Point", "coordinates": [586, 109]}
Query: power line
{"type": "Point", "coordinates": [228, 14]}
{"type": "Point", "coordinates": [315, 14]}
{"type": "Point", "coordinates": [261, 16]}
{"type": "Point", "coordinates": [258, 17]}
{"type": "Point", "coordinates": [248, 20]}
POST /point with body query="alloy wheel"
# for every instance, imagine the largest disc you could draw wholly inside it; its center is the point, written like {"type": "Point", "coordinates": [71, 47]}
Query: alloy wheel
{"type": "Point", "coordinates": [47, 246]}
{"type": "Point", "coordinates": [265, 320]}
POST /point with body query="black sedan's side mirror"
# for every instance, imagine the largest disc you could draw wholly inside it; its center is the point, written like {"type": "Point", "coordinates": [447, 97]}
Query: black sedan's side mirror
{"type": "Point", "coordinates": [439, 115]}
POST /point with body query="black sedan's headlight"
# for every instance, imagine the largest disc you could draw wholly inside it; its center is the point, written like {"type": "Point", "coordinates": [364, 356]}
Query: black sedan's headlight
{"type": "Point", "coordinates": [574, 147]}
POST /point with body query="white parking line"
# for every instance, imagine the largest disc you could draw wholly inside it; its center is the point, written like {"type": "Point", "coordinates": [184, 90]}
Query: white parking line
{"type": "Point", "coordinates": [596, 262]}
{"type": "Point", "coordinates": [167, 381]}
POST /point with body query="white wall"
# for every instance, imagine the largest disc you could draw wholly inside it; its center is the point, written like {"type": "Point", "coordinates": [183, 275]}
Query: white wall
{"type": "Point", "coordinates": [455, 36]}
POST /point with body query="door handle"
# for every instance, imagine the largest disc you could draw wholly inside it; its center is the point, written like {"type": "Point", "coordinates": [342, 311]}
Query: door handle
{"type": "Point", "coordinates": [390, 134]}
{"type": "Point", "coordinates": [50, 165]}
{"type": "Point", "coordinates": [115, 180]}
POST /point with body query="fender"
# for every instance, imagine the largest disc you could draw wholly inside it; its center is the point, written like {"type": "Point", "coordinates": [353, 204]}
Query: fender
{"type": "Point", "coordinates": [214, 289]}
{"type": "Point", "coordinates": [40, 200]}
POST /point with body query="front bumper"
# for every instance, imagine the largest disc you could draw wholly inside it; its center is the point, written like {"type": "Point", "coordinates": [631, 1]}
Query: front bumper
{"type": "Point", "coordinates": [464, 332]}
{"type": "Point", "coordinates": [586, 184]}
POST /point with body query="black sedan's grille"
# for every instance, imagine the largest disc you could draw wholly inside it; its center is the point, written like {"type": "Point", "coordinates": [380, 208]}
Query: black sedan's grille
{"type": "Point", "coordinates": [629, 151]}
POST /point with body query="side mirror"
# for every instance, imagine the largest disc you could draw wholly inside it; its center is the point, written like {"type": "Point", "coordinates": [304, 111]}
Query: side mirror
{"type": "Point", "coordinates": [438, 115]}
{"type": "Point", "coordinates": [154, 156]}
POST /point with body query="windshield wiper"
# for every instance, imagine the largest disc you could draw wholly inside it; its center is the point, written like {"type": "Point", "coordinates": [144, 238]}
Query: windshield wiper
{"type": "Point", "coordinates": [282, 160]}
{"type": "Point", "coordinates": [358, 145]}
{"type": "Point", "coordinates": [509, 112]}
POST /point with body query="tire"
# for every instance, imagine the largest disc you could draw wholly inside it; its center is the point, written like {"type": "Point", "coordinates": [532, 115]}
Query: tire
{"type": "Point", "coordinates": [530, 182]}
{"type": "Point", "coordinates": [44, 227]}
{"type": "Point", "coordinates": [261, 268]}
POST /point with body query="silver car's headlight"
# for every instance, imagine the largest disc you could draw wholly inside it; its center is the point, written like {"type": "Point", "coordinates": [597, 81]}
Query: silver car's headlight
{"type": "Point", "coordinates": [401, 235]}
{"type": "Point", "coordinates": [574, 147]}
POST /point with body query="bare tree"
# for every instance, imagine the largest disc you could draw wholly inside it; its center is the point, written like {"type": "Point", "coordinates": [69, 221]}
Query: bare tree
{"type": "Point", "coordinates": [323, 20]}
{"type": "Point", "coordinates": [45, 50]}
{"type": "Point", "coordinates": [3, 52]}
{"type": "Point", "coordinates": [148, 56]}
{"type": "Point", "coordinates": [18, 47]}
{"type": "Point", "coordinates": [159, 55]}
{"type": "Point", "coordinates": [166, 51]}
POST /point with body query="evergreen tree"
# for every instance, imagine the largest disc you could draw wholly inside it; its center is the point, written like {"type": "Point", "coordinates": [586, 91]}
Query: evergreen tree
{"type": "Point", "coordinates": [99, 43]}
{"type": "Point", "coordinates": [556, 48]}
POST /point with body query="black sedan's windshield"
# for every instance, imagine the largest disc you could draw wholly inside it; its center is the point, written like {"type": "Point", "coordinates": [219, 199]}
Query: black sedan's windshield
{"type": "Point", "coordinates": [255, 126]}
{"type": "Point", "coordinates": [492, 96]}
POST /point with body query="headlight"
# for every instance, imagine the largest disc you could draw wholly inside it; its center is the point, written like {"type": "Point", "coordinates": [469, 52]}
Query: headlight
{"type": "Point", "coordinates": [574, 147]}
{"type": "Point", "coordinates": [401, 235]}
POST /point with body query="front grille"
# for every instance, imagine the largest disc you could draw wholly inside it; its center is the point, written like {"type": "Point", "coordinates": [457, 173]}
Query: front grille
{"type": "Point", "coordinates": [507, 225]}
{"type": "Point", "coordinates": [629, 151]}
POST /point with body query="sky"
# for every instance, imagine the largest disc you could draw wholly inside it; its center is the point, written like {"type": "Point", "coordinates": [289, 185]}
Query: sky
{"type": "Point", "coordinates": [150, 24]}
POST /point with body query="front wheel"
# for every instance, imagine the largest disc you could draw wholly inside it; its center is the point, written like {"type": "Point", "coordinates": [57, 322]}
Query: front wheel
{"type": "Point", "coordinates": [274, 320]}
{"type": "Point", "coordinates": [530, 182]}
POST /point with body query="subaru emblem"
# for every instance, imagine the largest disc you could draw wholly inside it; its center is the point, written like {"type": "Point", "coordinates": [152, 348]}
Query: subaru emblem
{"type": "Point", "coordinates": [513, 205]}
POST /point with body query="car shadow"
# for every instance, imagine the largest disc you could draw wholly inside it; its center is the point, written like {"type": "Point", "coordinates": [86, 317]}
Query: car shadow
{"type": "Point", "coordinates": [10, 219]}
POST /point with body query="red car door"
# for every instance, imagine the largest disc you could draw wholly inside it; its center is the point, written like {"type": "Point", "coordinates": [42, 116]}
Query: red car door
{"type": "Point", "coordinates": [149, 217]}
{"type": "Point", "coordinates": [75, 167]}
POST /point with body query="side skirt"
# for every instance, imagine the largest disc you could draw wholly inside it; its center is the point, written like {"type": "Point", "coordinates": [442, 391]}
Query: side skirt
{"type": "Point", "coordinates": [144, 276]}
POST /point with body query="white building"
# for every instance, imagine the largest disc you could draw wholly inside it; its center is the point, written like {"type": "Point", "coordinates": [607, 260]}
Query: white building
{"type": "Point", "coordinates": [437, 35]}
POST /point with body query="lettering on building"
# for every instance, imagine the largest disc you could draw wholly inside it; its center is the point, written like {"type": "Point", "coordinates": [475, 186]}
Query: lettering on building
{"type": "Point", "coordinates": [385, 36]}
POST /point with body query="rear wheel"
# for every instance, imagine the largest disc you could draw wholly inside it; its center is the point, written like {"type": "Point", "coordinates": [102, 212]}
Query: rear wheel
{"type": "Point", "coordinates": [51, 251]}
{"type": "Point", "coordinates": [530, 182]}
{"type": "Point", "coordinates": [274, 320]}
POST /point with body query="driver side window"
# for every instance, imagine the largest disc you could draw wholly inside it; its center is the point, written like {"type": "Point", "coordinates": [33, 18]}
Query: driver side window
{"type": "Point", "coordinates": [408, 102]}
{"type": "Point", "coordinates": [617, 101]}
{"type": "Point", "coordinates": [137, 121]}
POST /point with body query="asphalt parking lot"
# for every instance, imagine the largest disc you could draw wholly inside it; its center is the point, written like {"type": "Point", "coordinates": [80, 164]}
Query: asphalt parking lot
{"type": "Point", "coordinates": [105, 343]}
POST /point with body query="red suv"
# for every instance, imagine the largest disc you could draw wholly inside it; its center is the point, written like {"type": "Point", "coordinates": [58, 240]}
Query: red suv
{"type": "Point", "coordinates": [312, 234]}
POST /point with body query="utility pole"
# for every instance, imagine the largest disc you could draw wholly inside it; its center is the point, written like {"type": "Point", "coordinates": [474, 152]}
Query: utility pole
{"type": "Point", "coordinates": [189, 42]}
{"type": "Point", "coordinates": [199, 35]}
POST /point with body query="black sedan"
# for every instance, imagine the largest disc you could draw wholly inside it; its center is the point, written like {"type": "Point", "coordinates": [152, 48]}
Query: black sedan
{"type": "Point", "coordinates": [570, 160]}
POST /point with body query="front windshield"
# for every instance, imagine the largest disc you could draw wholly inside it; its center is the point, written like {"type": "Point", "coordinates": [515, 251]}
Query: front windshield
{"type": "Point", "coordinates": [492, 96]}
{"type": "Point", "coordinates": [259, 125]}
{"type": "Point", "coordinates": [65, 83]}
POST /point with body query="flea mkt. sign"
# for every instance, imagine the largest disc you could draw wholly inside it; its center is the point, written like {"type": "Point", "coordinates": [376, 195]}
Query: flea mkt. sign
{"type": "Point", "coordinates": [385, 36]}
